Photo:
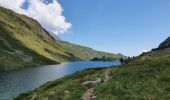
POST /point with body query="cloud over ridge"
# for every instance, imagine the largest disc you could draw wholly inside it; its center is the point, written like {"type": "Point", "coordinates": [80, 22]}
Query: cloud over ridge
{"type": "Point", "coordinates": [49, 15]}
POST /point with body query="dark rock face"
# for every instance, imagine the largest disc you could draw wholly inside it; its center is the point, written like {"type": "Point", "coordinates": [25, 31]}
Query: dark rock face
{"type": "Point", "coordinates": [165, 44]}
{"type": "Point", "coordinates": [161, 51]}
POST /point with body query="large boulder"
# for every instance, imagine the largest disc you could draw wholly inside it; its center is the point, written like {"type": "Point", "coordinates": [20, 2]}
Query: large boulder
{"type": "Point", "coordinates": [93, 83]}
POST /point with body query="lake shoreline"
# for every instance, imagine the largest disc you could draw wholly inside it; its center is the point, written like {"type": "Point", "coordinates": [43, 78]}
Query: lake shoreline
{"type": "Point", "coordinates": [22, 80]}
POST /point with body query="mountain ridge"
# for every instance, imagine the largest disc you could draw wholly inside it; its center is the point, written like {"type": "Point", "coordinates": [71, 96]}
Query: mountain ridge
{"type": "Point", "coordinates": [23, 39]}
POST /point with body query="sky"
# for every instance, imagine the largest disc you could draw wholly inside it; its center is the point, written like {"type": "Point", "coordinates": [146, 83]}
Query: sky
{"type": "Point", "coordinates": [117, 26]}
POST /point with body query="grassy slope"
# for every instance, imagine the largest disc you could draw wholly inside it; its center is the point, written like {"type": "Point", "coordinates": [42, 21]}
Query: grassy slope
{"type": "Point", "coordinates": [86, 53]}
{"type": "Point", "coordinates": [140, 79]}
{"type": "Point", "coordinates": [9, 44]}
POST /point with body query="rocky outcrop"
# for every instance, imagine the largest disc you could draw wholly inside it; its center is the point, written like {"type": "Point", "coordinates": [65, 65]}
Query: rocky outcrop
{"type": "Point", "coordinates": [165, 44]}
{"type": "Point", "coordinates": [25, 58]}
{"type": "Point", "coordinates": [161, 51]}
{"type": "Point", "coordinates": [92, 83]}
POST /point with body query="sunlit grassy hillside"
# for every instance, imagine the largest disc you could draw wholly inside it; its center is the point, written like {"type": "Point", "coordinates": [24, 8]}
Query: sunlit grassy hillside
{"type": "Point", "coordinates": [24, 42]}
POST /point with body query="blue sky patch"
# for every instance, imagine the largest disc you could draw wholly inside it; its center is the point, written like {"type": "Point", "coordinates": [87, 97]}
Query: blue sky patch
{"type": "Point", "coordinates": [25, 5]}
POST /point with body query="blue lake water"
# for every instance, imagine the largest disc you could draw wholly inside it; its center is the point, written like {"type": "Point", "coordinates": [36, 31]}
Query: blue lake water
{"type": "Point", "coordinates": [14, 82]}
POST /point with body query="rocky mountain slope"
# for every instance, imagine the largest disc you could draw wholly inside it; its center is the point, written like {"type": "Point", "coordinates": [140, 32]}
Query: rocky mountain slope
{"type": "Point", "coordinates": [165, 44]}
{"type": "Point", "coordinates": [162, 50]}
{"type": "Point", "coordinates": [23, 42]}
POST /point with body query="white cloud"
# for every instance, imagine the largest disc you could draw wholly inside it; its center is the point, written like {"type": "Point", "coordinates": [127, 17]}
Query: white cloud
{"type": "Point", "coordinates": [12, 4]}
{"type": "Point", "coordinates": [48, 15]}
{"type": "Point", "coordinates": [142, 51]}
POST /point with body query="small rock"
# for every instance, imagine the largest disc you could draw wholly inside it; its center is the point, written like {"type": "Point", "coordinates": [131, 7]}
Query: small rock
{"type": "Point", "coordinates": [67, 92]}
{"type": "Point", "coordinates": [34, 97]}
{"type": "Point", "coordinates": [94, 97]}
